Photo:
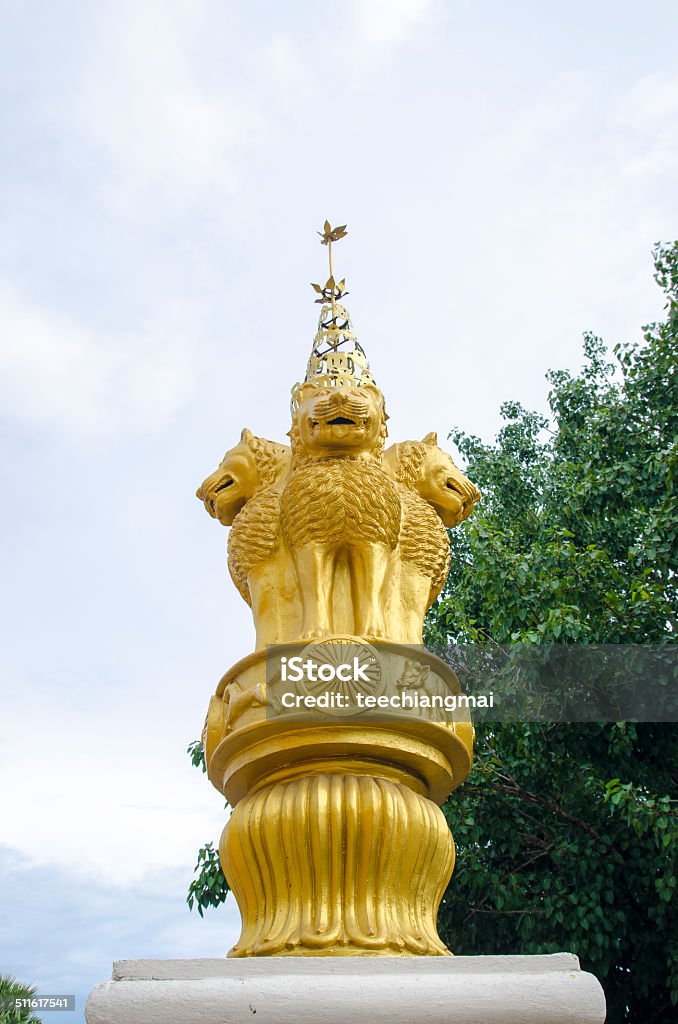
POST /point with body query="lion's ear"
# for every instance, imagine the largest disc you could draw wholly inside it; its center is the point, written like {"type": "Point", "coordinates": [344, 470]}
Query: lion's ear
{"type": "Point", "coordinates": [431, 438]}
{"type": "Point", "coordinates": [246, 436]}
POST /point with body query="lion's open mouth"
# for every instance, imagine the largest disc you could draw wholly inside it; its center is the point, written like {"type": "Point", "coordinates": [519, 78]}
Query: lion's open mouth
{"type": "Point", "coordinates": [338, 421]}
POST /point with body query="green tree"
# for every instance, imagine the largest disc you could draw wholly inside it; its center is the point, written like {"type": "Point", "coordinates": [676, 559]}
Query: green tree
{"type": "Point", "coordinates": [209, 887]}
{"type": "Point", "coordinates": [567, 834]}
{"type": "Point", "coordinates": [11, 989]}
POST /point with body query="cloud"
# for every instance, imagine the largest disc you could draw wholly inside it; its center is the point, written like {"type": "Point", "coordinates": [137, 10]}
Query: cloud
{"type": "Point", "coordinates": [649, 113]}
{"type": "Point", "coordinates": [128, 799]}
{"type": "Point", "coordinates": [167, 135]}
{"type": "Point", "coordinates": [56, 370]}
{"type": "Point", "coordinates": [62, 928]}
{"type": "Point", "coordinates": [280, 60]}
{"type": "Point", "coordinates": [651, 101]}
{"type": "Point", "coordinates": [387, 23]}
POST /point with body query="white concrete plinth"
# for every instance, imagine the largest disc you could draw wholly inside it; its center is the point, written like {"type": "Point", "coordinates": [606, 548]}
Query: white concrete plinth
{"type": "Point", "coordinates": [348, 990]}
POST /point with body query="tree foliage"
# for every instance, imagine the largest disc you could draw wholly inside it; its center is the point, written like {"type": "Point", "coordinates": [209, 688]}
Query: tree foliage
{"type": "Point", "coordinates": [567, 834]}
{"type": "Point", "coordinates": [11, 989]}
{"type": "Point", "coordinates": [209, 887]}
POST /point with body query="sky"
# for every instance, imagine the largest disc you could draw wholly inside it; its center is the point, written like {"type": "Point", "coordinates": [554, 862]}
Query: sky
{"type": "Point", "coordinates": [504, 171]}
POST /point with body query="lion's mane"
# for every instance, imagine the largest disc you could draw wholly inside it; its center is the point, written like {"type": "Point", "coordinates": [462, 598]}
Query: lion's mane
{"type": "Point", "coordinates": [424, 541]}
{"type": "Point", "coordinates": [340, 500]}
{"type": "Point", "coordinates": [409, 459]}
{"type": "Point", "coordinates": [255, 532]}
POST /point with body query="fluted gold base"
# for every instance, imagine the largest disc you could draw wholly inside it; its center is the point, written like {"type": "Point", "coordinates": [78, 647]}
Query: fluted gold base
{"type": "Point", "coordinates": [337, 864]}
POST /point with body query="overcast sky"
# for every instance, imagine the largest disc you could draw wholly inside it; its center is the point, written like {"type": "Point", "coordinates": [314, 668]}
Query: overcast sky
{"type": "Point", "coordinates": [504, 170]}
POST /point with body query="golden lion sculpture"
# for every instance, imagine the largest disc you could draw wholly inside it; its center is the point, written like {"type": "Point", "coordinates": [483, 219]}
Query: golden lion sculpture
{"type": "Point", "coordinates": [435, 494]}
{"type": "Point", "coordinates": [244, 493]}
{"type": "Point", "coordinates": [341, 512]}
{"type": "Point", "coordinates": [334, 535]}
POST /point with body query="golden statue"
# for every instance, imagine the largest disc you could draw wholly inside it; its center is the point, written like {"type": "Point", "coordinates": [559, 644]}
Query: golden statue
{"type": "Point", "coordinates": [336, 844]}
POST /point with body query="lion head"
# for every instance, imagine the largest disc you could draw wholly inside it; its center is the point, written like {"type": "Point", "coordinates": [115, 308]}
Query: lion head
{"type": "Point", "coordinates": [338, 421]}
{"type": "Point", "coordinates": [424, 467]}
{"type": "Point", "coordinates": [253, 464]}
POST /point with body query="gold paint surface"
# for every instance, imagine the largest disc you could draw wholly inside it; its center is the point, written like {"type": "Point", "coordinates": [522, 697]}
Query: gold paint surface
{"type": "Point", "coordinates": [338, 865]}
{"type": "Point", "coordinates": [336, 845]}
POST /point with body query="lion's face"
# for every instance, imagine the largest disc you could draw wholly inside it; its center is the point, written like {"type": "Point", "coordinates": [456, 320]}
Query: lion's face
{"type": "Point", "coordinates": [445, 487]}
{"type": "Point", "coordinates": [227, 489]}
{"type": "Point", "coordinates": [335, 420]}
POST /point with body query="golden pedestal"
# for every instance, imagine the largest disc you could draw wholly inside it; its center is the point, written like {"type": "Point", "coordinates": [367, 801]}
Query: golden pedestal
{"type": "Point", "coordinates": [336, 844]}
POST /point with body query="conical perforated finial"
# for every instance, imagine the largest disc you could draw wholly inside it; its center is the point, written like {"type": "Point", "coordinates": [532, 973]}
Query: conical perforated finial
{"type": "Point", "coordinates": [337, 358]}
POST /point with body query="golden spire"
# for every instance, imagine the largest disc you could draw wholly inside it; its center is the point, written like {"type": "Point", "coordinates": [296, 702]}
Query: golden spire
{"type": "Point", "coordinates": [337, 358]}
{"type": "Point", "coordinates": [332, 291]}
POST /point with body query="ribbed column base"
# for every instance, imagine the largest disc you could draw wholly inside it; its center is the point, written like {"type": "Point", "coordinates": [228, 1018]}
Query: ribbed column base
{"type": "Point", "coordinates": [337, 864]}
